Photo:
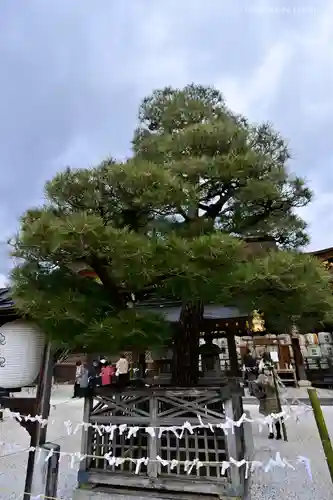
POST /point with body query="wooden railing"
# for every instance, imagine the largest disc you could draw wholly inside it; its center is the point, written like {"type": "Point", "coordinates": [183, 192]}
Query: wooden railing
{"type": "Point", "coordinates": [163, 407]}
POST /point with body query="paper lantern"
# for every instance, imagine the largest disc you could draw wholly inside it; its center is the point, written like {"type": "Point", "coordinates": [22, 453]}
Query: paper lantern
{"type": "Point", "coordinates": [327, 350]}
{"type": "Point", "coordinates": [325, 338]}
{"type": "Point", "coordinates": [311, 338]}
{"type": "Point", "coordinates": [21, 352]}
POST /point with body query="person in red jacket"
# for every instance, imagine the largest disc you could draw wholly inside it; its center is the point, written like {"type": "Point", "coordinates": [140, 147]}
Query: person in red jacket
{"type": "Point", "coordinates": [107, 373]}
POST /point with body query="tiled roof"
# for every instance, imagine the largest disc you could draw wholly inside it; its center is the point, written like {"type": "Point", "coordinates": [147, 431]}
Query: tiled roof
{"type": "Point", "coordinates": [171, 310]}
{"type": "Point", "coordinates": [6, 302]}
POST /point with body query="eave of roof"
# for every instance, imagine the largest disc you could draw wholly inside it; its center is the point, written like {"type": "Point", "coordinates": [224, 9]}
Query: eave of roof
{"type": "Point", "coordinates": [171, 310]}
{"type": "Point", "coordinates": [321, 252]}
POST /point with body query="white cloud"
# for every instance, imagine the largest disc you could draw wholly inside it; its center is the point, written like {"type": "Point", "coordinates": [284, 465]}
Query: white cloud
{"type": "Point", "coordinates": [253, 95]}
{"type": "Point", "coordinates": [310, 50]}
{"type": "Point", "coordinates": [81, 91]}
{"type": "Point", "coordinates": [319, 216]}
{"type": "Point", "coordinates": [3, 281]}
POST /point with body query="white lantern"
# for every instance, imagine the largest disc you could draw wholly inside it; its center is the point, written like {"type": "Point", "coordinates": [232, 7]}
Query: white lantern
{"type": "Point", "coordinates": [325, 338]}
{"type": "Point", "coordinates": [21, 353]}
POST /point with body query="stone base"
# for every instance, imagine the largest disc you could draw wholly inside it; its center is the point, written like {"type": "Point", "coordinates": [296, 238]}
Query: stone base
{"type": "Point", "coordinates": [304, 383]}
{"type": "Point", "coordinates": [123, 494]}
{"type": "Point", "coordinates": [101, 494]}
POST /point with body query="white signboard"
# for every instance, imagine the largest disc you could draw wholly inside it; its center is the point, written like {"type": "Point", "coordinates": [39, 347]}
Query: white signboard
{"type": "Point", "coordinates": [274, 356]}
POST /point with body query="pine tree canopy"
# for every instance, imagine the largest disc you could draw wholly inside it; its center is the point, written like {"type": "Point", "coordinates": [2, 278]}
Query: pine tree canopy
{"type": "Point", "coordinates": [172, 221]}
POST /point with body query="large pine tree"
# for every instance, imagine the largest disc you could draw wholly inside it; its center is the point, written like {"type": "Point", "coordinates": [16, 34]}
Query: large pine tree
{"type": "Point", "coordinates": [172, 221]}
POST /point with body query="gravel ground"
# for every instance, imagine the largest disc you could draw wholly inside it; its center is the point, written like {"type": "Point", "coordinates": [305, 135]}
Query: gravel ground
{"type": "Point", "coordinates": [278, 484]}
{"type": "Point", "coordinates": [13, 461]}
{"type": "Point", "coordinates": [303, 439]}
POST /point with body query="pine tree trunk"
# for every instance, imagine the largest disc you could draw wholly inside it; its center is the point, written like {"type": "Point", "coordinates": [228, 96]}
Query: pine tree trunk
{"type": "Point", "coordinates": [186, 346]}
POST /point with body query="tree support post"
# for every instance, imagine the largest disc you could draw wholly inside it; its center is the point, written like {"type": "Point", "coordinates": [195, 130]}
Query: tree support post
{"type": "Point", "coordinates": [322, 429]}
{"type": "Point", "coordinates": [283, 424]}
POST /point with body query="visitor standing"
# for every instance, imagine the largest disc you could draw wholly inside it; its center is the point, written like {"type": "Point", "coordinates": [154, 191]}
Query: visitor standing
{"type": "Point", "coordinates": [95, 374]}
{"type": "Point", "coordinates": [250, 369]}
{"type": "Point", "coordinates": [78, 374]}
{"type": "Point", "coordinates": [84, 381]}
{"type": "Point", "coordinates": [265, 360]}
{"type": "Point", "coordinates": [265, 391]}
{"type": "Point", "coordinates": [122, 370]}
{"type": "Point", "coordinates": [107, 373]}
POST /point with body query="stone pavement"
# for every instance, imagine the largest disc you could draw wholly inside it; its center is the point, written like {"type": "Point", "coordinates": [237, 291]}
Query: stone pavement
{"type": "Point", "coordinates": [300, 394]}
{"type": "Point", "coordinates": [277, 484]}
{"type": "Point", "coordinates": [303, 439]}
{"type": "Point", "coordinates": [14, 440]}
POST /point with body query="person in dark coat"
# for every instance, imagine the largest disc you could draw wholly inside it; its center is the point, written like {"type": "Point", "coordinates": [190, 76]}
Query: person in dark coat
{"type": "Point", "coordinates": [265, 391]}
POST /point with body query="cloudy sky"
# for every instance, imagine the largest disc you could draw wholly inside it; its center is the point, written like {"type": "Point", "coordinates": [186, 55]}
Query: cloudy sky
{"type": "Point", "coordinates": [74, 71]}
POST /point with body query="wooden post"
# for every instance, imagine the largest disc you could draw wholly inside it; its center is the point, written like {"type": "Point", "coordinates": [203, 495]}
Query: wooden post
{"type": "Point", "coordinates": [322, 429]}
{"type": "Point", "coordinates": [283, 424]}
{"type": "Point", "coordinates": [44, 407]}
{"type": "Point", "coordinates": [299, 362]}
{"type": "Point", "coordinates": [232, 349]}
{"type": "Point", "coordinates": [153, 466]}
{"type": "Point", "coordinates": [45, 478]}
{"type": "Point", "coordinates": [38, 435]}
{"type": "Point", "coordinates": [82, 476]}
{"type": "Point", "coordinates": [231, 440]}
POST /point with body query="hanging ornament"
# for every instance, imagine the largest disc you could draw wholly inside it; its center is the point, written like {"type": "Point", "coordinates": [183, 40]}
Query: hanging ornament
{"type": "Point", "coordinates": [258, 322]}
